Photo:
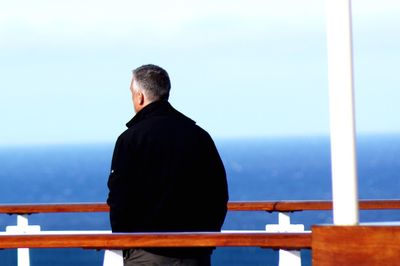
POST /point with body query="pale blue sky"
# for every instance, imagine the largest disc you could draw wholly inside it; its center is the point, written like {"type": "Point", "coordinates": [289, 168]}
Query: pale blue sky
{"type": "Point", "coordinates": [239, 68]}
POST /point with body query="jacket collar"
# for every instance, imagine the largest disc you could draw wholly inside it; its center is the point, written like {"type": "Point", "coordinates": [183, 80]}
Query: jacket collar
{"type": "Point", "coordinates": [161, 107]}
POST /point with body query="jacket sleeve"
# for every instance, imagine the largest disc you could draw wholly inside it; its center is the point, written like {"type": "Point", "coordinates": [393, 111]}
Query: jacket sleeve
{"type": "Point", "coordinates": [120, 186]}
{"type": "Point", "coordinates": [217, 191]}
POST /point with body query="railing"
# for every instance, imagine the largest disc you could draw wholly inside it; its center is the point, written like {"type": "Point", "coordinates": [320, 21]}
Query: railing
{"type": "Point", "coordinates": [269, 206]}
{"type": "Point", "coordinates": [285, 236]}
{"type": "Point", "coordinates": [132, 240]}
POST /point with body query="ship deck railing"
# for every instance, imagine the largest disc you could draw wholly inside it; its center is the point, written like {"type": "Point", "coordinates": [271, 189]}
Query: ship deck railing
{"type": "Point", "coordinates": [288, 238]}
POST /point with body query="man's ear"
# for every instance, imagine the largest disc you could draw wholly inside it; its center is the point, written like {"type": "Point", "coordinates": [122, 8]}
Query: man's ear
{"type": "Point", "coordinates": [140, 97]}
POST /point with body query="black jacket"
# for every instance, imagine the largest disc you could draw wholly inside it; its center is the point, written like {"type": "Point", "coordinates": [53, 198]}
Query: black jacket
{"type": "Point", "coordinates": [166, 176]}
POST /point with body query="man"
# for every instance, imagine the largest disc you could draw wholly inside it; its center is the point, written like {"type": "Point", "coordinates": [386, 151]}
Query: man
{"type": "Point", "coordinates": [166, 175]}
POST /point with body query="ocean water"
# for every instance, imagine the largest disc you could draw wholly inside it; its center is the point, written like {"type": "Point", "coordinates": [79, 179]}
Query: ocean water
{"type": "Point", "coordinates": [258, 169]}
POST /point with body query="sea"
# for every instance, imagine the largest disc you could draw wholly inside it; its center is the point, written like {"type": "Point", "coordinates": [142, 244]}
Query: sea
{"type": "Point", "coordinates": [274, 168]}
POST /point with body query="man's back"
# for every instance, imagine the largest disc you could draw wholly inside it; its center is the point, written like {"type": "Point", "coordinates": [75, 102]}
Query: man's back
{"type": "Point", "coordinates": [166, 175]}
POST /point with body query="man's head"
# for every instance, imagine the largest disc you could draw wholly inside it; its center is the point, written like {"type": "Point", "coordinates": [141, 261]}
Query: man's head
{"type": "Point", "coordinates": [149, 83]}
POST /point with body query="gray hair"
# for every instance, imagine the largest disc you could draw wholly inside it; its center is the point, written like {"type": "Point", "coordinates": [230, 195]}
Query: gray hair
{"type": "Point", "coordinates": [153, 80]}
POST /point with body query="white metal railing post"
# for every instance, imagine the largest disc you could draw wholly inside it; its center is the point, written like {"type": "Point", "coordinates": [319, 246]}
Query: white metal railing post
{"type": "Point", "coordinates": [286, 257]}
{"type": "Point", "coordinates": [22, 227]}
{"type": "Point", "coordinates": [113, 258]}
{"type": "Point", "coordinates": [342, 118]}
{"type": "Point", "coordinates": [23, 253]}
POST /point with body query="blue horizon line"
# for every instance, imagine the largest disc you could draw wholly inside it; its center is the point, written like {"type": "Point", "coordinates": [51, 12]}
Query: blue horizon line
{"type": "Point", "coordinates": [360, 136]}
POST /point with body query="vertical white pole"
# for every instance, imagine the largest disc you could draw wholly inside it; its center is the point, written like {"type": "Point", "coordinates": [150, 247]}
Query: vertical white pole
{"type": "Point", "coordinates": [113, 258]}
{"type": "Point", "coordinates": [23, 253]}
{"type": "Point", "coordinates": [287, 257]}
{"type": "Point", "coordinates": [284, 218]}
{"type": "Point", "coordinates": [342, 118]}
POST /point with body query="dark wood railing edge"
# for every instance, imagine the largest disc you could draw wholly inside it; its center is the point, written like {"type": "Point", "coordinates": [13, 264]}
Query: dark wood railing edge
{"type": "Point", "coordinates": [269, 206]}
{"type": "Point", "coordinates": [132, 240]}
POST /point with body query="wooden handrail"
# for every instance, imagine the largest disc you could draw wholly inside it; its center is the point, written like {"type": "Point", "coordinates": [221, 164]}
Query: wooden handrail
{"type": "Point", "coordinates": [355, 245]}
{"type": "Point", "coordinates": [309, 205]}
{"type": "Point", "coordinates": [53, 208]}
{"type": "Point", "coordinates": [270, 206]}
{"type": "Point", "coordinates": [131, 240]}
